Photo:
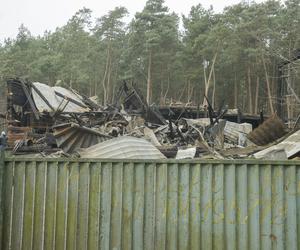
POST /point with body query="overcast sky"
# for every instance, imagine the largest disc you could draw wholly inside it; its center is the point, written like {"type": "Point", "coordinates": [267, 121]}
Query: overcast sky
{"type": "Point", "coordinates": [41, 15]}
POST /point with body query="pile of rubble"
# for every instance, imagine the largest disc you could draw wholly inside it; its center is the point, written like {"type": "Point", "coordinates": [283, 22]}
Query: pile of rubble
{"type": "Point", "coordinates": [59, 121]}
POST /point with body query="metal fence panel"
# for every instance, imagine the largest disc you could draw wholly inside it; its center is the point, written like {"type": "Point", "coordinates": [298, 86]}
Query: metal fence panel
{"type": "Point", "coordinates": [94, 204]}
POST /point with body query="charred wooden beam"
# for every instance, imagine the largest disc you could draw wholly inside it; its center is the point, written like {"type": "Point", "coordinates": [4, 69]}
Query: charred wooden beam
{"type": "Point", "coordinates": [42, 96]}
{"type": "Point", "coordinates": [70, 99]}
{"type": "Point", "coordinates": [29, 98]}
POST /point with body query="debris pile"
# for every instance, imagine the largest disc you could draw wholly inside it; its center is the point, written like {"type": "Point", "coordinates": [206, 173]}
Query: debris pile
{"type": "Point", "coordinates": [58, 121]}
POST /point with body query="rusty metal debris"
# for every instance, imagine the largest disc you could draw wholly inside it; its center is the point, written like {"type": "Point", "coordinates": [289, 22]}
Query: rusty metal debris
{"type": "Point", "coordinates": [59, 121]}
{"type": "Point", "coordinates": [71, 136]}
{"type": "Point", "coordinates": [271, 130]}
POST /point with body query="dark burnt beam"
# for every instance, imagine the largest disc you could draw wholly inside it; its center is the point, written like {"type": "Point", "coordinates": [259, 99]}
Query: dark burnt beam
{"type": "Point", "coordinates": [70, 99]}
{"type": "Point", "coordinates": [42, 96]}
{"type": "Point", "coordinates": [31, 103]}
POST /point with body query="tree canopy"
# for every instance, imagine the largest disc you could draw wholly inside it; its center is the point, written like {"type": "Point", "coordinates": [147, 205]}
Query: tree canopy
{"type": "Point", "coordinates": [231, 57]}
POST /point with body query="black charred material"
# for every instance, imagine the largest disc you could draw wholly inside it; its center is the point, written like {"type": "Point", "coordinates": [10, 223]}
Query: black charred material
{"type": "Point", "coordinates": [210, 111]}
{"type": "Point", "coordinates": [134, 102]}
{"type": "Point", "coordinates": [30, 100]}
{"type": "Point", "coordinates": [69, 99]}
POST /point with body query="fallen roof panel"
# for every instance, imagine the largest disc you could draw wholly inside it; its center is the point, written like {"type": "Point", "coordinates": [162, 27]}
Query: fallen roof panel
{"type": "Point", "coordinates": [124, 147]}
{"type": "Point", "coordinates": [58, 98]}
{"type": "Point", "coordinates": [290, 145]}
{"type": "Point", "coordinates": [70, 137]}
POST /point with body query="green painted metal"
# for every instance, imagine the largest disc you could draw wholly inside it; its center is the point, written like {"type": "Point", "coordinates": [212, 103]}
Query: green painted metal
{"type": "Point", "coordinates": [168, 204]}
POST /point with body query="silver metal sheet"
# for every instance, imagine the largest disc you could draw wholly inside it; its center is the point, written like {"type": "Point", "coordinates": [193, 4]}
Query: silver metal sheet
{"type": "Point", "coordinates": [290, 145]}
{"type": "Point", "coordinates": [188, 153]}
{"type": "Point", "coordinates": [124, 147]}
{"type": "Point", "coordinates": [56, 101]}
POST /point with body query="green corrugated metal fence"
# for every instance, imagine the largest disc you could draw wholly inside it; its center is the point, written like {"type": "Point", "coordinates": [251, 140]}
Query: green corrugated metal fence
{"type": "Point", "coordinates": [94, 204]}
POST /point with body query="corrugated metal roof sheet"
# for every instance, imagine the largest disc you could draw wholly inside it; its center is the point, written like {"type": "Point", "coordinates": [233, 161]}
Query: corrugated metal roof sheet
{"type": "Point", "coordinates": [124, 147]}
{"type": "Point", "coordinates": [71, 137]}
{"type": "Point", "coordinates": [57, 102]}
{"type": "Point", "coordinates": [290, 145]}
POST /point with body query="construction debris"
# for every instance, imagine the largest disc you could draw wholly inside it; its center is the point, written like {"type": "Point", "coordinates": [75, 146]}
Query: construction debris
{"type": "Point", "coordinates": [236, 134]}
{"type": "Point", "coordinates": [52, 99]}
{"type": "Point", "coordinates": [288, 148]}
{"type": "Point", "coordinates": [186, 153]}
{"type": "Point", "coordinates": [59, 121]}
{"type": "Point", "coordinates": [70, 137]}
{"type": "Point", "coordinates": [271, 130]}
{"type": "Point", "coordinates": [123, 147]}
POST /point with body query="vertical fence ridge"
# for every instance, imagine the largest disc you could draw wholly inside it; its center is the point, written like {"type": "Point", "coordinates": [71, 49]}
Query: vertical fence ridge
{"type": "Point", "coordinates": [2, 193]}
{"type": "Point", "coordinates": [105, 212]}
{"type": "Point", "coordinates": [18, 206]}
{"type": "Point", "coordinates": [195, 207]}
{"type": "Point", "coordinates": [94, 216]}
{"type": "Point", "coordinates": [29, 197]}
{"type": "Point", "coordinates": [298, 203]}
{"type": "Point", "coordinates": [160, 205]}
{"type": "Point", "coordinates": [149, 216]}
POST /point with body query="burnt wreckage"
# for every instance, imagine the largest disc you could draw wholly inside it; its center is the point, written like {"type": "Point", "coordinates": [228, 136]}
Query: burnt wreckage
{"type": "Point", "coordinates": [44, 118]}
{"type": "Point", "coordinates": [59, 121]}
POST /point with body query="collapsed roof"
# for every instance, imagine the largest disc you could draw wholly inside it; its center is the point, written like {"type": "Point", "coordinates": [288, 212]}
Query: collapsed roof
{"type": "Point", "coordinates": [44, 98]}
{"type": "Point", "coordinates": [49, 119]}
{"type": "Point", "coordinates": [56, 98]}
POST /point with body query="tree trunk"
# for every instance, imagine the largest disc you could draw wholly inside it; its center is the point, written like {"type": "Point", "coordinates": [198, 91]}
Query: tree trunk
{"type": "Point", "coordinates": [256, 96]}
{"type": "Point", "coordinates": [105, 76]}
{"type": "Point", "coordinates": [161, 87]}
{"type": "Point", "coordinates": [109, 87]}
{"type": "Point", "coordinates": [183, 90]}
{"type": "Point", "coordinates": [207, 85]}
{"type": "Point", "coordinates": [161, 93]}
{"type": "Point", "coordinates": [235, 92]}
{"type": "Point", "coordinates": [166, 93]}
{"type": "Point", "coordinates": [188, 91]}
{"type": "Point", "coordinates": [149, 83]}
{"type": "Point", "coordinates": [205, 77]}
{"type": "Point", "coordinates": [71, 81]}
{"type": "Point", "coordinates": [114, 83]}
{"type": "Point", "coordinates": [250, 91]}
{"type": "Point", "coordinates": [95, 82]}
{"type": "Point", "coordinates": [268, 86]}
{"type": "Point", "coordinates": [91, 87]}
{"type": "Point", "coordinates": [289, 110]}
{"type": "Point", "coordinates": [213, 101]}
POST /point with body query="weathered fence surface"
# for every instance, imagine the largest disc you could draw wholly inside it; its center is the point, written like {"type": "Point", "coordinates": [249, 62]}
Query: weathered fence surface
{"type": "Point", "coordinates": [97, 204]}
